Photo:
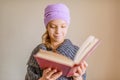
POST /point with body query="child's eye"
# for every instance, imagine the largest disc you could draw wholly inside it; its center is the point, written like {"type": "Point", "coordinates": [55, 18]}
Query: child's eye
{"type": "Point", "coordinates": [63, 26]}
{"type": "Point", "coordinates": [52, 26]}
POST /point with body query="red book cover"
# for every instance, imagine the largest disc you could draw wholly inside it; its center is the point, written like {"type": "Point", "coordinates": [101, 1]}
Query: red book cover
{"type": "Point", "coordinates": [43, 63]}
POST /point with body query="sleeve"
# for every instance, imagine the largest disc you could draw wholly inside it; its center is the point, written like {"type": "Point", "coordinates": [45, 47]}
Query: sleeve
{"type": "Point", "coordinates": [33, 70]}
{"type": "Point", "coordinates": [84, 76]}
{"type": "Point", "coordinates": [33, 73]}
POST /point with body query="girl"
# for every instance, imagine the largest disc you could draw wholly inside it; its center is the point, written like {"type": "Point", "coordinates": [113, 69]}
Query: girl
{"type": "Point", "coordinates": [57, 20]}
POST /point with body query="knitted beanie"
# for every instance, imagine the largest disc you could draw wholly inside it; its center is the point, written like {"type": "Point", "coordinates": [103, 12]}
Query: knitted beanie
{"type": "Point", "coordinates": [56, 11]}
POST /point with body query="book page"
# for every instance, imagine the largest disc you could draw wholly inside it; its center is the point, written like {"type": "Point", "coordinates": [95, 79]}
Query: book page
{"type": "Point", "coordinates": [56, 57]}
{"type": "Point", "coordinates": [83, 47]}
{"type": "Point", "coordinates": [88, 46]}
{"type": "Point", "coordinates": [86, 50]}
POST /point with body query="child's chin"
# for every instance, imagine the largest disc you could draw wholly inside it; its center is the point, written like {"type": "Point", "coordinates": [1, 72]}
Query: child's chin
{"type": "Point", "coordinates": [59, 40]}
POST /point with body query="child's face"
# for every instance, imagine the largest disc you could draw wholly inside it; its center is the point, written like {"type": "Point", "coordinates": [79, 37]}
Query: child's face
{"type": "Point", "coordinates": [57, 30]}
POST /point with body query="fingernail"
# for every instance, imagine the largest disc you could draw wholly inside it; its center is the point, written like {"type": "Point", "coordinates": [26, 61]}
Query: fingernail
{"type": "Point", "coordinates": [60, 72]}
{"type": "Point", "coordinates": [55, 70]}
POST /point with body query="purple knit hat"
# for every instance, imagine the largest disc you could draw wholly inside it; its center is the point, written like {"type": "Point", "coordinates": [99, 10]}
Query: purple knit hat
{"type": "Point", "coordinates": [56, 11]}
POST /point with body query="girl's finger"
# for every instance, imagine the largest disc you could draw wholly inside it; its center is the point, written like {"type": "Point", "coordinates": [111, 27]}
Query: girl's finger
{"type": "Point", "coordinates": [56, 75]}
{"type": "Point", "coordinates": [47, 70]}
{"type": "Point", "coordinates": [79, 70]}
{"type": "Point", "coordinates": [85, 64]}
{"type": "Point", "coordinates": [49, 74]}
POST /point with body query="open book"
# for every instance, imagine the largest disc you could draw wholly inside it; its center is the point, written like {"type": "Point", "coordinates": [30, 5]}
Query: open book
{"type": "Point", "coordinates": [62, 63]}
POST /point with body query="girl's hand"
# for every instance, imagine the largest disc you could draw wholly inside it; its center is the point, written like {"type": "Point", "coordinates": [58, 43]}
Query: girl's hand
{"type": "Point", "coordinates": [50, 74]}
{"type": "Point", "coordinates": [80, 70]}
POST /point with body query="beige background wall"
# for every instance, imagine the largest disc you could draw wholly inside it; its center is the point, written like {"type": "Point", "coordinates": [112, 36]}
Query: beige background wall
{"type": "Point", "coordinates": [21, 27]}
